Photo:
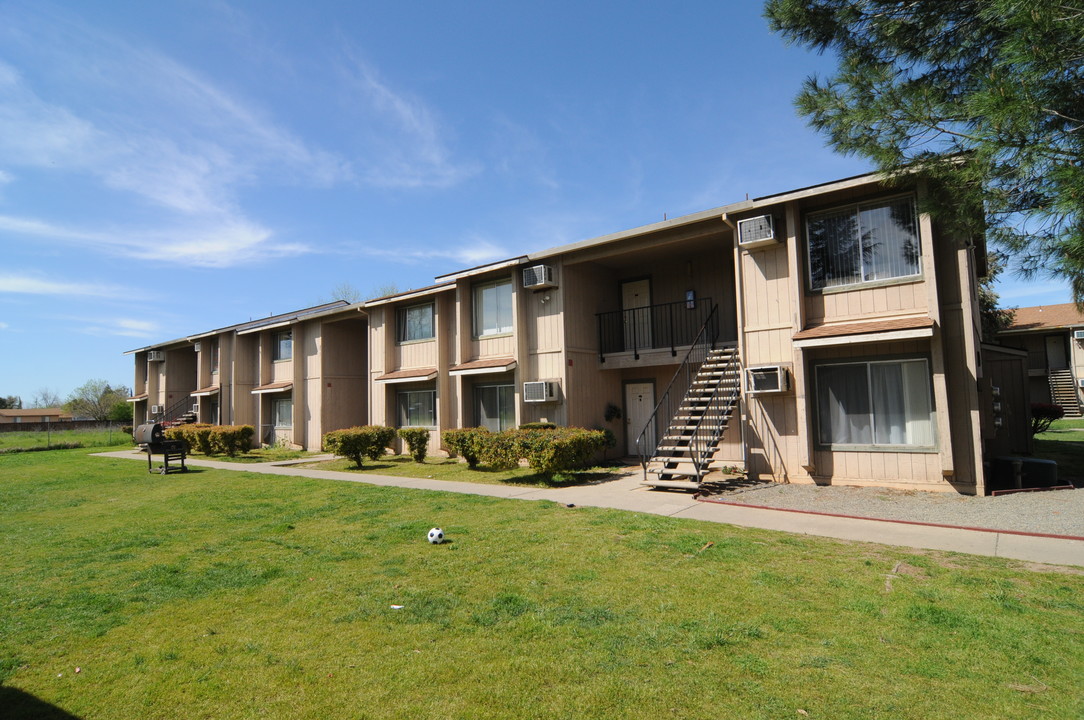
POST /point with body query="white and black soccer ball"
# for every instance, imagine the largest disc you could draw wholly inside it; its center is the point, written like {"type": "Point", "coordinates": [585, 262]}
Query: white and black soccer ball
{"type": "Point", "coordinates": [436, 536]}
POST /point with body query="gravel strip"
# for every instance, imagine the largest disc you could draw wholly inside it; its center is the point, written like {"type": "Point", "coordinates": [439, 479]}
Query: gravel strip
{"type": "Point", "coordinates": [1054, 512]}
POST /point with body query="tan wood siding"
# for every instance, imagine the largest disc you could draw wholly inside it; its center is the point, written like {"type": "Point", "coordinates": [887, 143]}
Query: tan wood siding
{"type": "Point", "coordinates": [414, 355]}
{"type": "Point", "coordinates": [864, 302]}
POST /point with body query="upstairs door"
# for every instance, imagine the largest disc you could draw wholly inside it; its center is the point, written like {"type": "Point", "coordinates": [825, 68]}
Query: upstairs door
{"type": "Point", "coordinates": [1056, 356]}
{"type": "Point", "coordinates": [636, 304]}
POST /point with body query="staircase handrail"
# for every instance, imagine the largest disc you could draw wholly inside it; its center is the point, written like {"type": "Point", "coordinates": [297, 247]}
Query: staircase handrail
{"type": "Point", "coordinates": [703, 342]}
{"type": "Point", "coordinates": [700, 442]}
{"type": "Point", "coordinates": [175, 410]}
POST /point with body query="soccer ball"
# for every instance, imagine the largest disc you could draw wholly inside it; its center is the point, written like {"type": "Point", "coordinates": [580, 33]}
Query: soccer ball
{"type": "Point", "coordinates": [436, 536]}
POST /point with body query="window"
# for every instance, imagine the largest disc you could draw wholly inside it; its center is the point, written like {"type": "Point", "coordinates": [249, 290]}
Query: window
{"type": "Point", "coordinates": [416, 323]}
{"type": "Point", "coordinates": [496, 406]}
{"type": "Point", "coordinates": [493, 308]}
{"type": "Point", "coordinates": [417, 408]}
{"type": "Point", "coordinates": [875, 403]}
{"type": "Point", "coordinates": [282, 345]}
{"type": "Point", "coordinates": [282, 412]}
{"type": "Point", "coordinates": [863, 243]}
{"type": "Point", "coordinates": [214, 354]}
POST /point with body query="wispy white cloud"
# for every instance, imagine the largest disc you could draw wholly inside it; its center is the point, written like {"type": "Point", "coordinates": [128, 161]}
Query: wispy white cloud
{"type": "Point", "coordinates": [474, 251]}
{"type": "Point", "coordinates": [198, 244]}
{"type": "Point", "coordinates": [35, 285]}
{"type": "Point", "coordinates": [406, 144]}
{"type": "Point", "coordinates": [4, 326]}
{"type": "Point", "coordinates": [121, 327]}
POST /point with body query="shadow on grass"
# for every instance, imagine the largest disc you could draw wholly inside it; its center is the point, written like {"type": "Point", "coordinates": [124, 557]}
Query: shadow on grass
{"type": "Point", "coordinates": [23, 705]}
{"type": "Point", "coordinates": [1066, 448]}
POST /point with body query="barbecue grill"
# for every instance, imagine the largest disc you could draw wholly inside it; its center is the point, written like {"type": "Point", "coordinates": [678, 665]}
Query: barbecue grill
{"type": "Point", "coordinates": [152, 440]}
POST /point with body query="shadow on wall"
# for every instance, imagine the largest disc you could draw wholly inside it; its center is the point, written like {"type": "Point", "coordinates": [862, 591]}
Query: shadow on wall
{"type": "Point", "coordinates": [22, 705]}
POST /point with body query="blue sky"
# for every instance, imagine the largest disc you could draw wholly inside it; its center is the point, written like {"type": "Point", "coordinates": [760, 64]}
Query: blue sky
{"type": "Point", "coordinates": [171, 167]}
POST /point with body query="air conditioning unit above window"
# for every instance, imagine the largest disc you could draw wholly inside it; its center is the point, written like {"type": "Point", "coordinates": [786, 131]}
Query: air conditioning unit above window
{"type": "Point", "coordinates": [756, 232]}
{"type": "Point", "coordinates": [1078, 334]}
{"type": "Point", "coordinates": [197, 346]}
{"type": "Point", "coordinates": [155, 356]}
{"type": "Point", "coordinates": [539, 392]}
{"type": "Point", "coordinates": [538, 276]}
{"type": "Point", "coordinates": [770, 379]}
{"type": "Point", "coordinates": [156, 409]}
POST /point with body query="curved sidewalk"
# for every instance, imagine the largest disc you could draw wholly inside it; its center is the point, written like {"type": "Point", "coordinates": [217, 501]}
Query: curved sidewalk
{"type": "Point", "coordinates": [626, 493]}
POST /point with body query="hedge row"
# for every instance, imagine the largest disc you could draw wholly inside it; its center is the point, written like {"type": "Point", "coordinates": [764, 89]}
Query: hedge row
{"type": "Point", "coordinates": [358, 443]}
{"type": "Point", "coordinates": [214, 439]}
{"type": "Point", "coordinates": [545, 450]}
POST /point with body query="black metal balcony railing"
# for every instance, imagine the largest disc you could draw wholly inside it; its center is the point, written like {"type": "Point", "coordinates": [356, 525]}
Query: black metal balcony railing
{"type": "Point", "coordinates": [654, 327]}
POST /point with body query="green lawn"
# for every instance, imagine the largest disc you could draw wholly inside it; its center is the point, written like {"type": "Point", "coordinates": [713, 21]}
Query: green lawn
{"type": "Point", "coordinates": [236, 595]}
{"type": "Point", "coordinates": [1065, 446]}
{"type": "Point", "coordinates": [90, 437]}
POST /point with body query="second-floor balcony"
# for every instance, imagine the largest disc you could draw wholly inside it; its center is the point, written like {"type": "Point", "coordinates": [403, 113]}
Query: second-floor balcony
{"type": "Point", "coordinates": [665, 327]}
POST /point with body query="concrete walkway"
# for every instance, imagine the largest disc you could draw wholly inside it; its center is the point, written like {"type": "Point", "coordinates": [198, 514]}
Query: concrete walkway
{"type": "Point", "coordinates": [626, 493]}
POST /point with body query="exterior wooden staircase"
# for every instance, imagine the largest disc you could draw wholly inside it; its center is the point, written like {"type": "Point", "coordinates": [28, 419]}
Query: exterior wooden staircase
{"type": "Point", "coordinates": [684, 454]}
{"type": "Point", "coordinates": [1063, 391]}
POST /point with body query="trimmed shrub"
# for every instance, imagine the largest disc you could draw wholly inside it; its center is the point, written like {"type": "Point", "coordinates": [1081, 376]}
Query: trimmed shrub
{"type": "Point", "coordinates": [465, 443]}
{"type": "Point", "coordinates": [1043, 415]}
{"type": "Point", "coordinates": [560, 450]}
{"type": "Point", "coordinates": [538, 426]}
{"type": "Point", "coordinates": [417, 439]}
{"type": "Point", "coordinates": [231, 439]}
{"type": "Point", "coordinates": [503, 450]}
{"type": "Point", "coordinates": [358, 443]}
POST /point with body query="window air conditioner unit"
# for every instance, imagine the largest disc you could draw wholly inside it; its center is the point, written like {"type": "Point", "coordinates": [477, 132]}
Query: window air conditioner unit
{"type": "Point", "coordinates": [770, 379]}
{"type": "Point", "coordinates": [756, 232]}
{"type": "Point", "coordinates": [538, 276]}
{"type": "Point", "coordinates": [539, 392]}
{"type": "Point", "coordinates": [197, 346]}
{"type": "Point", "coordinates": [1080, 383]}
{"type": "Point", "coordinates": [156, 409]}
{"type": "Point", "coordinates": [195, 409]}
{"type": "Point", "coordinates": [156, 356]}
{"type": "Point", "coordinates": [1078, 334]}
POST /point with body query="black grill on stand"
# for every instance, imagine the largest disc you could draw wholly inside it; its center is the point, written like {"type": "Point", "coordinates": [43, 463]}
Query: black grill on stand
{"type": "Point", "coordinates": [152, 440]}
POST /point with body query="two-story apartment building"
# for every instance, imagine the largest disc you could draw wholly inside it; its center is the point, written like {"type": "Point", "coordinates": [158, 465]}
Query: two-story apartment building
{"type": "Point", "coordinates": [292, 376]}
{"type": "Point", "coordinates": [827, 334]}
{"type": "Point", "coordinates": [1053, 337]}
{"type": "Point", "coordinates": [852, 318]}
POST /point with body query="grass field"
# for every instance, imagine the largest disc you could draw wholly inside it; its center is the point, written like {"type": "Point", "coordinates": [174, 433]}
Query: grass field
{"type": "Point", "coordinates": [103, 436]}
{"type": "Point", "coordinates": [236, 595]}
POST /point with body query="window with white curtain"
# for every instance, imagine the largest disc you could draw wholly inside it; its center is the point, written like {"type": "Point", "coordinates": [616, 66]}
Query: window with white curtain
{"type": "Point", "coordinates": [495, 406]}
{"type": "Point", "coordinates": [282, 412]}
{"type": "Point", "coordinates": [883, 402]}
{"type": "Point", "coordinates": [417, 408]}
{"type": "Point", "coordinates": [863, 243]}
{"type": "Point", "coordinates": [493, 308]}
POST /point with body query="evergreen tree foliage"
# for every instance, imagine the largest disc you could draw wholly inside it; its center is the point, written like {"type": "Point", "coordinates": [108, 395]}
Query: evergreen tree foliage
{"type": "Point", "coordinates": [985, 98]}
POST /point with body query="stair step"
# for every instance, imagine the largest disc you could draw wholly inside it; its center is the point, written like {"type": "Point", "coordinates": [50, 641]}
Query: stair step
{"type": "Point", "coordinates": [676, 484]}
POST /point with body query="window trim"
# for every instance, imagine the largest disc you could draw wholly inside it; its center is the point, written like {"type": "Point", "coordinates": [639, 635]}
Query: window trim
{"type": "Point", "coordinates": [276, 346]}
{"type": "Point", "coordinates": [401, 324]}
{"type": "Point", "coordinates": [476, 305]}
{"type": "Point", "coordinates": [400, 415]}
{"type": "Point", "coordinates": [857, 207]}
{"type": "Point", "coordinates": [934, 447]}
